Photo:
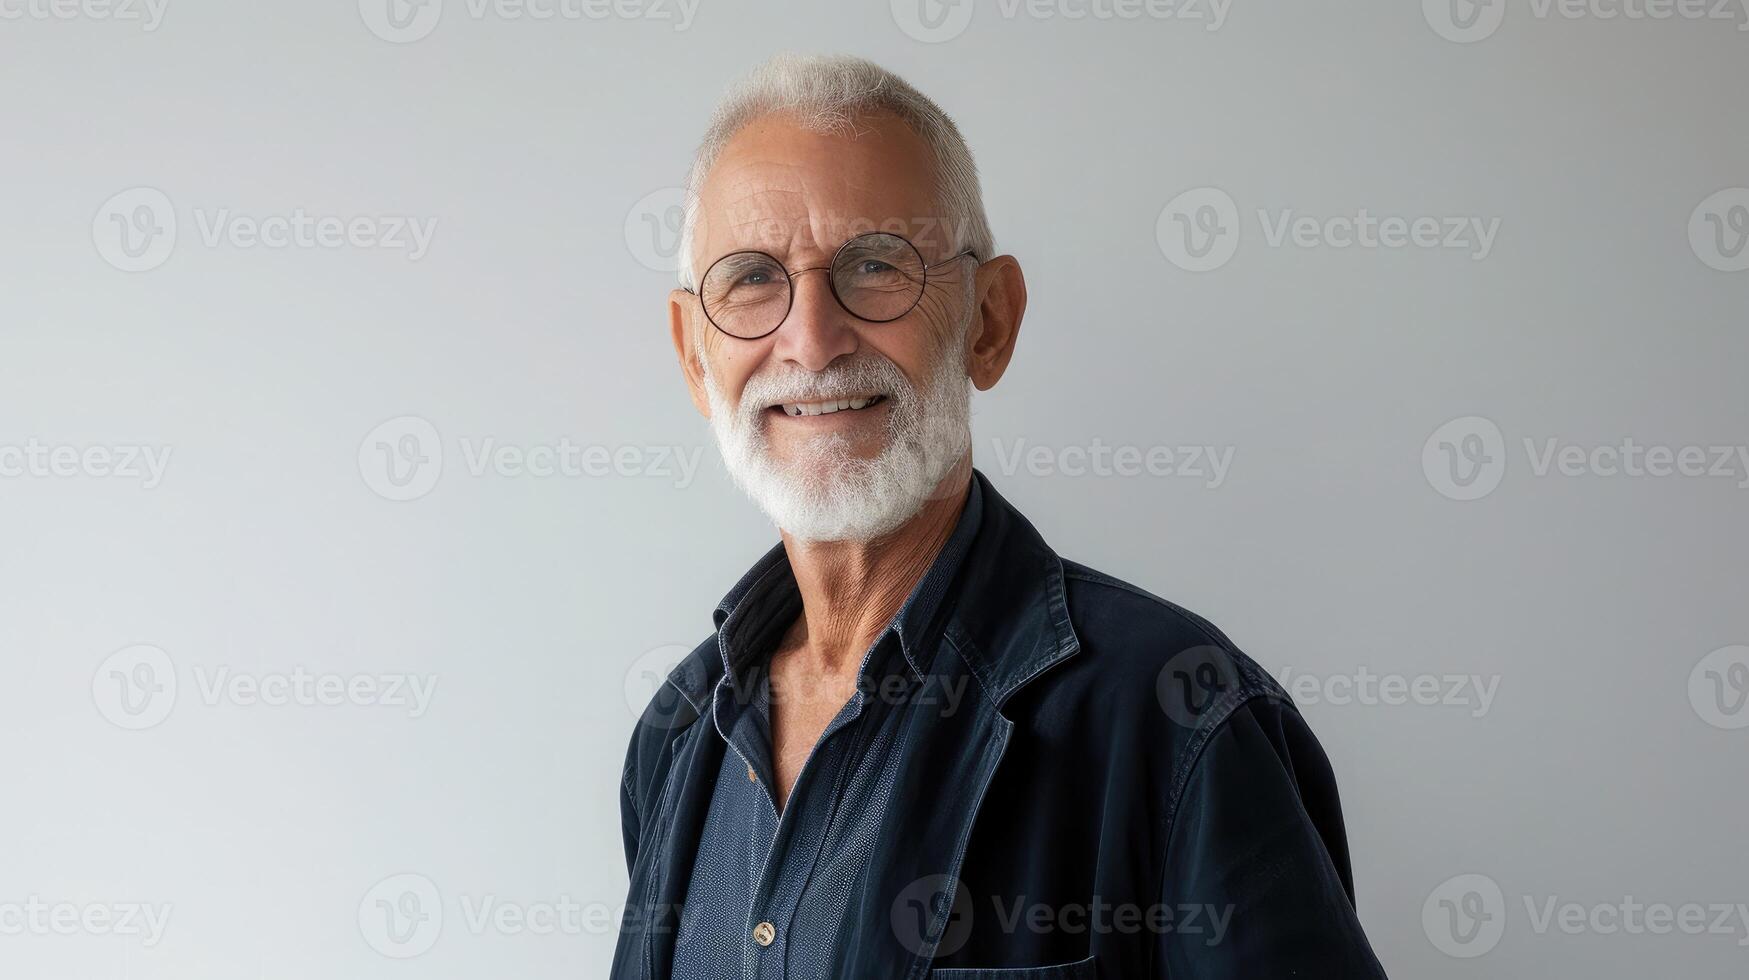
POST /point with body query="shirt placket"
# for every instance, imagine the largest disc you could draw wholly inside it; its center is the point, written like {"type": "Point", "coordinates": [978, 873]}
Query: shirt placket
{"type": "Point", "coordinates": [796, 838]}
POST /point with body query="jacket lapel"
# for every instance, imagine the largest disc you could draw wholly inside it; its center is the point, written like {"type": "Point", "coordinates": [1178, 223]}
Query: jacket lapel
{"type": "Point", "coordinates": [674, 824]}
{"type": "Point", "coordinates": [680, 823]}
{"type": "Point", "coordinates": [1007, 624]}
{"type": "Point", "coordinates": [904, 909]}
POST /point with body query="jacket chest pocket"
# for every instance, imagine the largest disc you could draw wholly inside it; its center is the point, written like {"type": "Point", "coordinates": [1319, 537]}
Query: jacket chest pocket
{"type": "Point", "coordinates": [1079, 970]}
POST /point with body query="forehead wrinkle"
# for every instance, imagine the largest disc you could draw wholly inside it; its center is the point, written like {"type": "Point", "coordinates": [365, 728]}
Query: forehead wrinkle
{"type": "Point", "coordinates": [814, 201]}
{"type": "Point", "coordinates": [780, 220]}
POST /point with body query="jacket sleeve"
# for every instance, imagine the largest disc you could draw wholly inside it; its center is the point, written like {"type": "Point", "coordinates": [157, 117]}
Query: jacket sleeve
{"type": "Point", "coordinates": [1256, 874]}
{"type": "Point", "coordinates": [630, 827]}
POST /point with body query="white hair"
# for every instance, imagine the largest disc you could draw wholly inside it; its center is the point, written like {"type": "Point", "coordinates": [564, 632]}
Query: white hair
{"type": "Point", "coordinates": [826, 93]}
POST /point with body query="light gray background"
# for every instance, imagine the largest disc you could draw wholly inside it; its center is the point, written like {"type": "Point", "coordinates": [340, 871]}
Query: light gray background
{"type": "Point", "coordinates": [547, 152]}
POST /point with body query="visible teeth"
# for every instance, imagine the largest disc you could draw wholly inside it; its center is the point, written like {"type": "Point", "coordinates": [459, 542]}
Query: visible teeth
{"type": "Point", "coordinates": [799, 409]}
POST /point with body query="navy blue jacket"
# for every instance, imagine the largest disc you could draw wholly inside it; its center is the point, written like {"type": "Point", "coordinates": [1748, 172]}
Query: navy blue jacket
{"type": "Point", "coordinates": [1119, 793]}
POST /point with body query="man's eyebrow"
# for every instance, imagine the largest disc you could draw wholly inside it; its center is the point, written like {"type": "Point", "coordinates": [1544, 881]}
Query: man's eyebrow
{"type": "Point", "coordinates": [742, 258]}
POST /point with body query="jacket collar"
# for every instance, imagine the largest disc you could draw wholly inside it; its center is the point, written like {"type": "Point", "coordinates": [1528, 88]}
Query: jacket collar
{"type": "Point", "coordinates": [1011, 619]}
{"type": "Point", "coordinates": [1005, 621]}
{"type": "Point", "coordinates": [998, 583]}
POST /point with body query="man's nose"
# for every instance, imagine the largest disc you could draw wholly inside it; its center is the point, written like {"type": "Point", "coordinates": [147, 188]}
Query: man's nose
{"type": "Point", "coordinates": [817, 330]}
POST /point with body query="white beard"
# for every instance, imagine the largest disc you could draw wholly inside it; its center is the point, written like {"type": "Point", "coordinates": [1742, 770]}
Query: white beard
{"type": "Point", "coordinates": [827, 493]}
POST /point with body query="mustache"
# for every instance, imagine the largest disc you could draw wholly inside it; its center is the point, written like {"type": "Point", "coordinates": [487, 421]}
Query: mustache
{"type": "Point", "coordinates": [859, 376]}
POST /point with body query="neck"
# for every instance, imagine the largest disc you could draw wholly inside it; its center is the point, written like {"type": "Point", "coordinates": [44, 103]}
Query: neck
{"type": "Point", "coordinates": [852, 589]}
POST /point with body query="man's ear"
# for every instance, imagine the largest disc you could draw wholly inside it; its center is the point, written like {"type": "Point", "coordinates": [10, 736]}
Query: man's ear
{"type": "Point", "coordinates": [681, 309]}
{"type": "Point", "coordinates": [1001, 297]}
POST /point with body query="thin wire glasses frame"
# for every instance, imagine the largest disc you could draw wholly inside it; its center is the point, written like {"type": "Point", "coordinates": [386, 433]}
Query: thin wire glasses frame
{"type": "Point", "coordinates": [831, 281]}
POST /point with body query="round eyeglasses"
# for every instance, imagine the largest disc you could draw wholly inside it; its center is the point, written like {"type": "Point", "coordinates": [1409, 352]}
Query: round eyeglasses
{"type": "Point", "coordinates": [877, 277]}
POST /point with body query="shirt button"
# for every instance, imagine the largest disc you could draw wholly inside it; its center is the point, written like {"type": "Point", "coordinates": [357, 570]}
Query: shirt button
{"type": "Point", "coordinates": [752, 776]}
{"type": "Point", "coordinates": [764, 933]}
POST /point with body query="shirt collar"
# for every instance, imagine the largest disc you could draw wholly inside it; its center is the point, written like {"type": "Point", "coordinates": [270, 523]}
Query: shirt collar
{"type": "Point", "coordinates": [766, 600]}
{"type": "Point", "coordinates": [1009, 610]}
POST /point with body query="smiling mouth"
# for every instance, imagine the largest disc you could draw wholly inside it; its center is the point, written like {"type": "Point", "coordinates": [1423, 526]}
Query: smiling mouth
{"type": "Point", "coordinates": [829, 406]}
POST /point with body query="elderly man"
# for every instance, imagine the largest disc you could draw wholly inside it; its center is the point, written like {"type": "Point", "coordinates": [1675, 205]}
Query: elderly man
{"type": "Point", "coordinates": [918, 742]}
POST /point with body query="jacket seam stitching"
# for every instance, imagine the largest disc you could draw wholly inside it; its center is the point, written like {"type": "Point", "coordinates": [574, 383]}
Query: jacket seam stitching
{"type": "Point", "coordinates": [662, 806]}
{"type": "Point", "coordinates": [1175, 796]}
{"type": "Point", "coordinates": [1208, 631]}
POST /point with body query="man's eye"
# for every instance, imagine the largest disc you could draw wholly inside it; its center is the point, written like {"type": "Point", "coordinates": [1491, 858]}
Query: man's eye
{"type": "Point", "coordinates": [870, 267]}
{"type": "Point", "coordinates": [758, 275]}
